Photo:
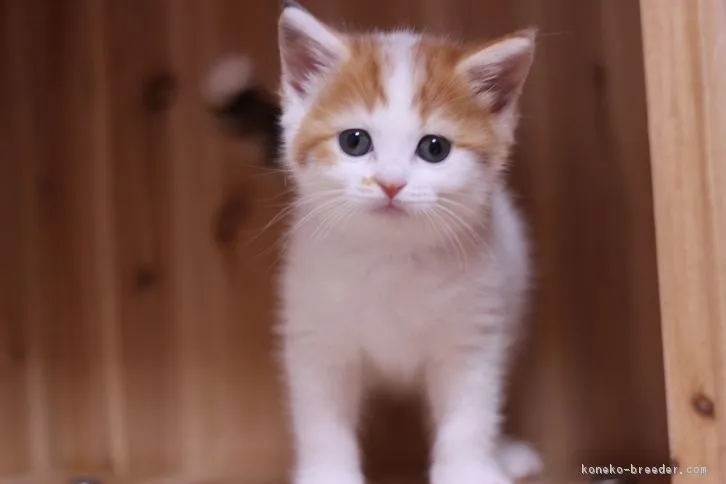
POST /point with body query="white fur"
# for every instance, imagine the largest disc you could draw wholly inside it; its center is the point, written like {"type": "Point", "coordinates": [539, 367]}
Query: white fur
{"type": "Point", "coordinates": [430, 300]}
{"type": "Point", "coordinates": [228, 78]}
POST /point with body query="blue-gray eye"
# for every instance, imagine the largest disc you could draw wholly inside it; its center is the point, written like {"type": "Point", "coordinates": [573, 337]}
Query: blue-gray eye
{"type": "Point", "coordinates": [433, 149]}
{"type": "Point", "coordinates": [355, 142]}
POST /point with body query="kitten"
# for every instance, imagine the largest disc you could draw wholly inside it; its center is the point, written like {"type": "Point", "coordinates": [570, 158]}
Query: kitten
{"type": "Point", "coordinates": [407, 263]}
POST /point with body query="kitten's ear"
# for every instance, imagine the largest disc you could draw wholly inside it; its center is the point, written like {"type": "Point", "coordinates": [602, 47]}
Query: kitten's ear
{"type": "Point", "coordinates": [308, 48]}
{"type": "Point", "coordinates": [497, 71]}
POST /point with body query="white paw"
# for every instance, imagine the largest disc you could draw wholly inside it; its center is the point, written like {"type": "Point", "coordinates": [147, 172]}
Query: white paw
{"type": "Point", "coordinates": [518, 459]}
{"type": "Point", "coordinates": [469, 472]}
{"type": "Point", "coordinates": [323, 475]}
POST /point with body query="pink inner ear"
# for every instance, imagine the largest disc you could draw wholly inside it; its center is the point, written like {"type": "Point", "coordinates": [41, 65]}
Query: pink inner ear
{"type": "Point", "coordinates": [501, 82]}
{"type": "Point", "coordinates": [304, 58]}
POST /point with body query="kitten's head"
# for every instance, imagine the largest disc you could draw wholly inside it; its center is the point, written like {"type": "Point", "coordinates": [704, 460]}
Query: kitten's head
{"type": "Point", "coordinates": [397, 136]}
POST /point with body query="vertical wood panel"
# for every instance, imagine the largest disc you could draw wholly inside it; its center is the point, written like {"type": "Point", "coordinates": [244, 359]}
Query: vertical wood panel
{"type": "Point", "coordinates": [142, 90]}
{"type": "Point", "coordinates": [23, 96]}
{"type": "Point", "coordinates": [624, 104]}
{"type": "Point", "coordinates": [70, 118]}
{"type": "Point", "coordinates": [685, 54]}
{"type": "Point", "coordinates": [14, 417]}
{"type": "Point", "coordinates": [185, 183]}
{"type": "Point", "coordinates": [106, 298]}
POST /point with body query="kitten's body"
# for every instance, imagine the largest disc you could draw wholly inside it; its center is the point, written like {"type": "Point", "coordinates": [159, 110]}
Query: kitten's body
{"type": "Point", "coordinates": [401, 268]}
{"type": "Point", "coordinates": [408, 320]}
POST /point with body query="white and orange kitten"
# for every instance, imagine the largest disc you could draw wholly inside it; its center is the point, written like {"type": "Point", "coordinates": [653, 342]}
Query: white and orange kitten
{"type": "Point", "coordinates": [407, 264]}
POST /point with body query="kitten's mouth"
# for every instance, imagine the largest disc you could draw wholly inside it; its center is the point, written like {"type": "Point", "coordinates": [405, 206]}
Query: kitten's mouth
{"type": "Point", "coordinates": [390, 208]}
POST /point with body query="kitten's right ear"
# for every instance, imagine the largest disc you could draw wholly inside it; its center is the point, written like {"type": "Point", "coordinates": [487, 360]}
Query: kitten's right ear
{"type": "Point", "coordinates": [308, 48]}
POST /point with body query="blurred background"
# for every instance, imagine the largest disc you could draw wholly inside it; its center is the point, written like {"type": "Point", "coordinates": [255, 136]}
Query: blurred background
{"type": "Point", "coordinates": [136, 280]}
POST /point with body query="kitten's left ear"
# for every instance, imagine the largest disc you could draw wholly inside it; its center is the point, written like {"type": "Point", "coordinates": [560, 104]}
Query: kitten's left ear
{"type": "Point", "coordinates": [496, 72]}
{"type": "Point", "coordinates": [309, 49]}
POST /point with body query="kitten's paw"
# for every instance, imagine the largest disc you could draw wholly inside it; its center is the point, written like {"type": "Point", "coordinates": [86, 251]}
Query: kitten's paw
{"type": "Point", "coordinates": [322, 475]}
{"type": "Point", "coordinates": [485, 471]}
{"type": "Point", "coordinates": [518, 459]}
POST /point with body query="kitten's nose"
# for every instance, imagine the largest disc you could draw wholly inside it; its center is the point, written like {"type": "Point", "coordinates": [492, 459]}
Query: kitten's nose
{"type": "Point", "coordinates": [390, 189]}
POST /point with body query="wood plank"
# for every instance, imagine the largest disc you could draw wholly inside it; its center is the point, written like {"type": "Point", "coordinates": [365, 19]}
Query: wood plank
{"type": "Point", "coordinates": [106, 303]}
{"type": "Point", "coordinates": [621, 95]}
{"type": "Point", "coordinates": [71, 206]}
{"type": "Point", "coordinates": [141, 91]}
{"type": "Point", "coordinates": [26, 68]}
{"type": "Point", "coordinates": [14, 152]}
{"type": "Point", "coordinates": [685, 57]}
{"type": "Point", "coordinates": [188, 244]}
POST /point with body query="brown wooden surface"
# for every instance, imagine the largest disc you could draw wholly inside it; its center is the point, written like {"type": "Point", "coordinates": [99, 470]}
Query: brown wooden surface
{"type": "Point", "coordinates": [136, 296]}
{"type": "Point", "coordinates": [685, 46]}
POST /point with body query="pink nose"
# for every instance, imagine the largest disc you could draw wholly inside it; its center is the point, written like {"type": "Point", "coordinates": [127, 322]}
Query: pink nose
{"type": "Point", "coordinates": [391, 189]}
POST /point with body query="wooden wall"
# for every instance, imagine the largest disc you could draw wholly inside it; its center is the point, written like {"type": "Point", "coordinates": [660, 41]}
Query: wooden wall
{"type": "Point", "coordinates": [135, 279]}
{"type": "Point", "coordinates": [686, 65]}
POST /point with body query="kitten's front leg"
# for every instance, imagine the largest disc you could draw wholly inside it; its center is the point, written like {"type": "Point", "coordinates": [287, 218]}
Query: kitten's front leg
{"type": "Point", "coordinates": [325, 392]}
{"type": "Point", "coordinates": [465, 391]}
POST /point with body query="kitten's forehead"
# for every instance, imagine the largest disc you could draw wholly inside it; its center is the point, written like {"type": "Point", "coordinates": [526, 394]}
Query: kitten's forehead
{"type": "Point", "coordinates": [424, 92]}
{"type": "Point", "coordinates": [406, 57]}
{"type": "Point", "coordinates": [391, 68]}
{"type": "Point", "coordinates": [400, 84]}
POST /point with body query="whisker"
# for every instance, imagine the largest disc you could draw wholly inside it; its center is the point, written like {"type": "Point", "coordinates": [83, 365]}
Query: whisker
{"type": "Point", "coordinates": [451, 201]}
{"type": "Point", "coordinates": [452, 237]}
{"type": "Point", "coordinates": [300, 202]}
{"type": "Point", "coordinates": [353, 208]}
{"type": "Point", "coordinates": [478, 217]}
{"type": "Point", "coordinates": [310, 215]}
{"type": "Point", "coordinates": [327, 219]}
{"type": "Point", "coordinates": [430, 222]}
{"type": "Point", "coordinates": [339, 213]}
{"type": "Point", "coordinates": [278, 217]}
{"type": "Point", "coordinates": [469, 230]}
{"type": "Point", "coordinates": [286, 236]}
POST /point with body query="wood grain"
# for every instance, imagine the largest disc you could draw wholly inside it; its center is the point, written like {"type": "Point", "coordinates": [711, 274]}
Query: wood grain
{"type": "Point", "coordinates": [685, 52]}
{"type": "Point", "coordinates": [71, 116]}
{"type": "Point", "coordinates": [15, 446]}
{"type": "Point", "coordinates": [140, 97]}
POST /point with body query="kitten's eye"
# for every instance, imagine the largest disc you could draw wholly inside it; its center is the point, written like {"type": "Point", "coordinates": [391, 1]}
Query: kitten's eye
{"type": "Point", "coordinates": [355, 142]}
{"type": "Point", "coordinates": [433, 149]}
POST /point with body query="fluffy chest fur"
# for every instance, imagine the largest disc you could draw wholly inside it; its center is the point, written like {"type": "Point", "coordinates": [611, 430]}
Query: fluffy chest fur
{"type": "Point", "coordinates": [397, 310]}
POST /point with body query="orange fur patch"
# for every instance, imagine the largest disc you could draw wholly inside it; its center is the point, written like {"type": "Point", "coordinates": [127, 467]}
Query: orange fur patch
{"type": "Point", "coordinates": [444, 92]}
{"type": "Point", "coordinates": [358, 82]}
